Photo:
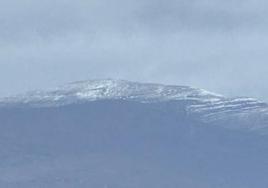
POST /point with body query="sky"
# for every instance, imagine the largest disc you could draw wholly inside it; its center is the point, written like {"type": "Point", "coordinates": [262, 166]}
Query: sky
{"type": "Point", "coordinates": [217, 45]}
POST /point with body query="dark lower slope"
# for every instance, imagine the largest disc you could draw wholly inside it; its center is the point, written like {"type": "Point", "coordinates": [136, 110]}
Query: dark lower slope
{"type": "Point", "coordinates": [120, 144]}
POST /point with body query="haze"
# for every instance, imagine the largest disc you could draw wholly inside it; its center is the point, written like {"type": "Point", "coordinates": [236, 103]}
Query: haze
{"type": "Point", "coordinates": [217, 45]}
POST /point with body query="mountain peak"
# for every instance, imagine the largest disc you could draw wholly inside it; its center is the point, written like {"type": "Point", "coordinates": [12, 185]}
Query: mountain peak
{"type": "Point", "coordinates": [207, 106]}
{"type": "Point", "coordinates": [91, 90]}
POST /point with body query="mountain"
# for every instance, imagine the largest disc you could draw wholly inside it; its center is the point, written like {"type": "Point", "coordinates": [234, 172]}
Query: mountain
{"type": "Point", "coordinates": [121, 134]}
{"type": "Point", "coordinates": [249, 113]}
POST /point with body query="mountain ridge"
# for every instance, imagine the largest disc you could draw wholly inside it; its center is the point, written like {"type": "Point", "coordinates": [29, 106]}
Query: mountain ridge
{"type": "Point", "coordinates": [208, 106]}
{"type": "Point", "coordinates": [108, 89]}
{"type": "Point", "coordinates": [131, 135]}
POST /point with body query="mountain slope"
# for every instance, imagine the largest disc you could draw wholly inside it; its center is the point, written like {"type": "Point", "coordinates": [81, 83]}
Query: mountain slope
{"type": "Point", "coordinates": [210, 107]}
{"type": "Point", "coordinates": [120, 134]}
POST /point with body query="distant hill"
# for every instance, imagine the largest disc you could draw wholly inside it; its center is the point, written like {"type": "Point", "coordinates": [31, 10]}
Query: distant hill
{"type": "Point", "coordinates": [120, 134]}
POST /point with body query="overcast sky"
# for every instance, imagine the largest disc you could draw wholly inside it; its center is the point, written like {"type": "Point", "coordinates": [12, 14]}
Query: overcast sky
{"type": "Point", "coordinates": [221, 46]}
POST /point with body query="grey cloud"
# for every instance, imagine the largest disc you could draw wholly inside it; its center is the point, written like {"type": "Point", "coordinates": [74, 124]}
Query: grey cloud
{"type": "Point", "coordinates": [58, 17]}
{"type": "Point", "coordinates": [217, 45]}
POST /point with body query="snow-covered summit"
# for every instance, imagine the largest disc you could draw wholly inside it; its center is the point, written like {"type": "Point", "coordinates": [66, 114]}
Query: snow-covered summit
{"type": "Point", "coordinates": [209, 107]}
{"type": "Point", "coordinates": [111, 89]}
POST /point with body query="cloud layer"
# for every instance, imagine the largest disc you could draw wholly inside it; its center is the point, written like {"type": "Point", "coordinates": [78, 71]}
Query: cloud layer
{"type": "Point", "coordinates": [217, 45]}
